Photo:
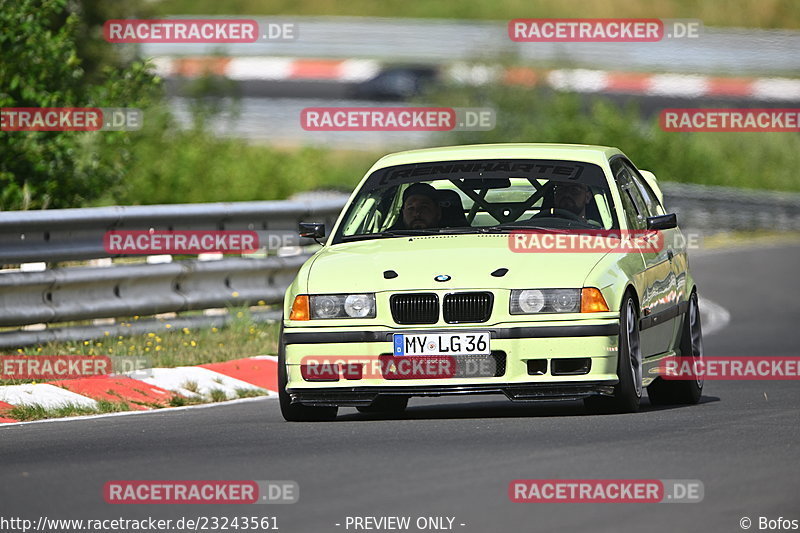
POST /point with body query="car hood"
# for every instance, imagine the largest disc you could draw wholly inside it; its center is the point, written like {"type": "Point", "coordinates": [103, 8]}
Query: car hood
{"type": "Point", "coordinates": [469, 261]}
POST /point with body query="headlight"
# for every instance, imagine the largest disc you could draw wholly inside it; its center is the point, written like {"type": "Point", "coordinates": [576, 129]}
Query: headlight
{"type": "Point", "coordinates": [529, 301]}
{"type": "Point", "coordinates": [342, 306]}
{"type": "Point", "coordinates": [359, 305]}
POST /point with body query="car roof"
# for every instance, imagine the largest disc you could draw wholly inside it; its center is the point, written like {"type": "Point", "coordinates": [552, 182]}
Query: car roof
{"type": "Point", "coordinates": [572, 152]}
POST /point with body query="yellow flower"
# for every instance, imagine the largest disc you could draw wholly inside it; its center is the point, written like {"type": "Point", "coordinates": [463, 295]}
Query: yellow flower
{"type": "Point", "coordinates": [235, 294]}
{"type": "Point", "coordinates": [262, 302]}
{"type": "Point", "coordinates": [214, 330]}
{"type": "Point", "coordinates": [194, 343]}
{"type": "Point", "coordinates": [151, 334]}
{"type": "Point", "coordinates": [167, 326]}
{"type": "Point", "coordinates": [185, 330]}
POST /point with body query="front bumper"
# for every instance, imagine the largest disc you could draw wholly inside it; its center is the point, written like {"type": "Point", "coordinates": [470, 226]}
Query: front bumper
{"type": "Point", "coordinates": [548, 345]}
{"type": "Point", "coordinates": [364, 396]}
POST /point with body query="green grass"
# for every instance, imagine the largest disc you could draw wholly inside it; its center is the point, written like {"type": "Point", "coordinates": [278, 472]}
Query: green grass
{"type": "Point", "coordinates": [183, 401]}
{"type": "Point", "coordinates": [171, 165]}
{"type": "Point", "coordinates": [191, 386]}
{"type": "Point", "coordinates": [250, 393]}
{"type": "Point", "coordinates": [217, 395]}
{"type": "Point", "coordinates": [745, 13]}
{"type": "Point", "coordinates": [171, 347]}
{"type": "Point", "coordinates": [26, 413]}
{"type": "Point", "coordinates": [746, 160]}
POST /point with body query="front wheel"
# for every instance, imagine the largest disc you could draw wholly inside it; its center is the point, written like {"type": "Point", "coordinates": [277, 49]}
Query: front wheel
{"type": "Point", "coordinates": [296, 412]}
{"type": "Point", "coordinates": [628, 392]}
{"type": "Point", "coordinates": [683, 392]}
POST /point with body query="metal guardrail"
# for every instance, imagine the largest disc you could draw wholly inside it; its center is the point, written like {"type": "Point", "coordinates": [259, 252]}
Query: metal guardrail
{"type": "Point", "coordinates": [712, 209]}
{"type": "Point", "coordinates": [75, 293]}
{"type": "Point", "coordinates": [80, 293]}
{"type": "Point", "coordinates": [77, 234]}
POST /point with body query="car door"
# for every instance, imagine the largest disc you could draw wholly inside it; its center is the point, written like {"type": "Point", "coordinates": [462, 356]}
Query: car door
{"type": "Point", "coordinates": [658, 279]}
{"type": "Point", "coordinates": [674, 244]}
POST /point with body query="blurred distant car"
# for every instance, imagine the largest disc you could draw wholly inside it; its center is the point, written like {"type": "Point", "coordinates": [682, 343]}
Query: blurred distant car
{"type": "Point", "coordinates": [399, 83]}
{"type": "Point", "coordinates": [388, 292]}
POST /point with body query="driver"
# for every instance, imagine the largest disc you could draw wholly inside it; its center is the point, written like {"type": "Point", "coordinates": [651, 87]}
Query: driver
{"type": "Point", "coordinates": [421, 208]}
{"type": "Point", "coordinates": [572, 197]}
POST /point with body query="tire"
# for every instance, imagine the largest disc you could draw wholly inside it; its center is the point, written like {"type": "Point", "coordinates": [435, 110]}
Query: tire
{"type": "Point", "coordinates": [628, 392]}
{"type": "Point", "coordinates": [393, 405]}
{"type": "Point", "coordinates": [297, 412]}
{"type": "Point", "coordinates": [683, 392]}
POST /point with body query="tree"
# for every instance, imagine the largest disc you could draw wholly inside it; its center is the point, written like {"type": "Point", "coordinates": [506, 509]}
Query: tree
{"type": "Point", "coordinates": [53, 55]}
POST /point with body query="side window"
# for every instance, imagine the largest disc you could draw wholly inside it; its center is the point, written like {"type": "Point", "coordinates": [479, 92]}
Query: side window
{"type": "Point", "coordinates": [632, 202]}
{"type": "Point", "coordinates": [654, 207]}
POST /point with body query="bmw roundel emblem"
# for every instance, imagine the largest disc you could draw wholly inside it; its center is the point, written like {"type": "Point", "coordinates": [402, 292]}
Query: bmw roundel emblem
{"type": "Point", "coordinates": [442, 277]}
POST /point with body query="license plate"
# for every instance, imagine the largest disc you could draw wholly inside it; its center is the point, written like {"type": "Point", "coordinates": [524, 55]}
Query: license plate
{"type": "Point", "coordinates": [442, 344]}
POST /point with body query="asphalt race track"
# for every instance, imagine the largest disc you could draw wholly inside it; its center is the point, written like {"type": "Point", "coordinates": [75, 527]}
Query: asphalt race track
{"type": "Point", "coordinates": [456, 457]}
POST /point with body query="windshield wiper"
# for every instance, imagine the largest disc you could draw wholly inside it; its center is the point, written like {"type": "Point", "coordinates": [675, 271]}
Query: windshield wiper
{"type": "Point", "coordinates": [391, 233]}
{"type": "Point", "coordinates": [404, 232]}
{"type": "Point", "coordinates": [518, 227]}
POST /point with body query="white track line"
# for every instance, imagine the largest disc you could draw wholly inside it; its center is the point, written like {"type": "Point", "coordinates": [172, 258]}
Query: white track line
{"type": "Point", "coordinates": [132, 413]}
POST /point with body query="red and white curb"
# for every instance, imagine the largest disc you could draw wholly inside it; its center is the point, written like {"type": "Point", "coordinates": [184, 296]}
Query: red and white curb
{"type": "Point", "coordinates": [677, 85]}
{"type": "Point", "coordinates": [577, 80]}
{"type": "Point", "coordinates": [269, 68]}
{"type": "Point", "coordinates": [147, 389]}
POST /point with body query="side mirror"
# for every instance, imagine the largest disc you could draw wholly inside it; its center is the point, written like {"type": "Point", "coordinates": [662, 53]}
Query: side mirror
{"type": "Point", "coordinates": [312, 230]}
{"type": "Point", "coordinates": [663, 221]}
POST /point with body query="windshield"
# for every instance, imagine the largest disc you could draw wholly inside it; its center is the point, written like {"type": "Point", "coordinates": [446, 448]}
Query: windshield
{"type": "Point", "coordinates": [479, 196]}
